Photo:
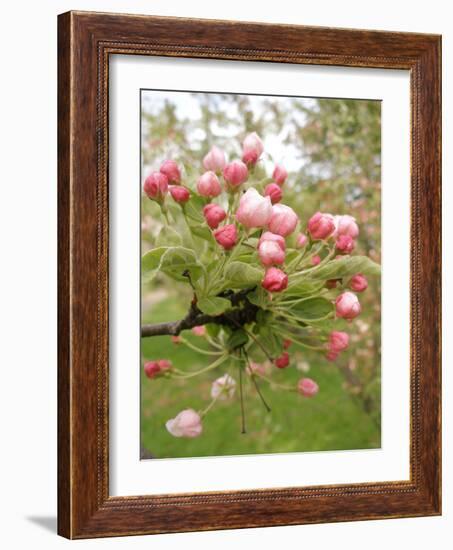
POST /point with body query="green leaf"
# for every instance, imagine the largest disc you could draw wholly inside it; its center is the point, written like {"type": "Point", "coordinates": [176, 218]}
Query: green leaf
{"type": "Point", "coordinates": [151, 262]}
{"type": "Point", "coordinates": [345, 267]}
{"type": "Point", "coordinates": [213, 305]}
{"type": "Point", "coordinates": [312, 309]}
{"type": "Point", "coordinates": [258, 297]}
{"type": "Point", "coordinates": [271, 341]}
{"type": "Point", "coordinates": [194, 208]}
{"type": "Point", "coordinates": [301, 286]}
{"type": "Point", "coordinates": [177, 260]}
{"type": "Point", "coordinates": [201, 231]}
{"type": "Point", "coordinates": [242, 275]}
{"type": "Point", "coordinates": [212, 329]}
{"type": "Point", "coordinates": [237, 339]}
{"type": "Point", "coordinates": [168, 237]}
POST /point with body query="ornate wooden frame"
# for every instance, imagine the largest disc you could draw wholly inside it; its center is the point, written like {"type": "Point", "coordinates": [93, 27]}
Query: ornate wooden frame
{"type": "Point", "coordinates": [85, 41]}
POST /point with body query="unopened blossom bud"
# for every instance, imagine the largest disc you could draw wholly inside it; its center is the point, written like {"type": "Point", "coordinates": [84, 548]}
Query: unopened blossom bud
{"type": "Point", "coordinates": [332, 355]}
{"type": "Point", "coordinates": [179, 193]}
{"type": "Point", "coordinates": [254, 209]}
{"type": "Point", "coordinates": [345, 244]}
{"type": "Point", "coordinates": [214, 160]}
{"type": "Point", "coordinates": [199, 330]}
{"type": "Point", "coordinates": [208, 185]}
{"type": "Point", "coordinates": [186, 424]}
{"type": "Point", "coordinates": [279, 174]}
{"type": "Point", "coordinates": [274, 192]}
{"type": "Point", "coordinates": [223, 388]}
{"type": "Point", "coordinates": [282, 361]}
{"type": "Point", "coordinates": [347, 305]}
{"type": "Point", "coordinates": [226, 236]}
{"type": "Point", "coordinates": [275, 280]}
{"type": "Point", "coordinates": [252, 148]}
{"type": "Point", "coordinates": [316, 260]}
{"type": "Point", "coordinates": [338, 341]}
{"type": "Point", "coordinates": [287, 343]}
{"type": "Point", "coordinates": [235, 174]}
{"type": "Point", "coordinates": [283, 220]}
{"type": "Point", "coordinates": [301, 240]}
{"type": "Point", "coordinates": [156, 368]}
{"type": "Point", "coordinates": [346, 225]}
{"type": "Point", "coordinates": [358, 283]}
{"type": "Point", "coordinates": [307, 387]}
{"type": "Point", "coordinates": [270, 253]}
{"type": "Point", "coordinates": [321, 226]}
{"type": "Point", "coordinates": [170, 169]}
{"type": "Point", "coordinates": [156, 186]}
{"type": "Point", "coordinates": [269, 236]}
{"type": "Point", "coordinates": [176, 339]}
{"type": "Point", "coordinates": [256, 368]}
{"type": "Point", "coordinates": [214, 214]}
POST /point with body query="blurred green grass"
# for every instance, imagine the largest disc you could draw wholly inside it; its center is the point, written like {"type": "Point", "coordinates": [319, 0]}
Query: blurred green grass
{"type": "Point", "coordinates": [332, 420]}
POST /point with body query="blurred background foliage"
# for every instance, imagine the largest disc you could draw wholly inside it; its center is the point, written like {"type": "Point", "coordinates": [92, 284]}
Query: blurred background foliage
{"type": "Point", "coordinates": [332, 151]}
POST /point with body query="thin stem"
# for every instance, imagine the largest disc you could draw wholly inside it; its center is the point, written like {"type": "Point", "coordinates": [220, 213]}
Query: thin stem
{"type": "Point", "coordinates": [298, 342]}
{"type": "Point", "coordinates": [208, 408]}
{"type": "Point", "coordinates": [212, 366]}
{"type": "Point", "coordinates": [252, 336]}
{"type": "Point", "coordinates": [255, 383]}
{"type": "Point", "coordinates": [197, 349]}
{"type": "Point", "coordinates": [273, 383]}
{"type": "Point", "coordinates": [243, 430]}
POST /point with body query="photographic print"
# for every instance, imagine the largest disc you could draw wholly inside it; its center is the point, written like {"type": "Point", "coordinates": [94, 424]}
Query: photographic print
{"type": "Point", "coordinates": [260, 284]}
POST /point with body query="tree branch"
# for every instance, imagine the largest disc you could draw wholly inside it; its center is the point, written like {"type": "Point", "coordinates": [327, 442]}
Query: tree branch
{"type": "Point", "coordinates": [195, 317]}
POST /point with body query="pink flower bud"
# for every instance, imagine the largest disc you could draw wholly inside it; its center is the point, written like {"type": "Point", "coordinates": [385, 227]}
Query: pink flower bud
{"type": "Point", "coordinates": [275, 280]}
{"type": "Point", "coordinates": [270, 252]}
{"type": "Point", "coordinates": [321, 226]}
{"type": "Point", "coordinates": [282, 361]}
{"type": "Point", "coordinates": [274, 192]}
{"type": "Point", "coordinates": [256, 368]}
{"type": "Point", "coordinates": [254, 209]}
{"type": "Point", "coordinates": [199, 330]}
{"type": "Point", "coordinates": [345, 244]}
{"type": "Point", "coordinates": [280, 174]}
{"type": "Point", "coordinates": [346, 225]}
{"type": "Point", "coordinates": [307, 387]}
{"type": "Point", "coordinates": [338, 341]}
{"type": "Point", "coordinates": [268, 236]}
{"type": "Point", "coordinates": [170, 169]}
{"type": "Point", "coordinates": [214, 160]}
{"type": "Point", "coordinates": [252, 148]}
{"type": "Point", "coordinates": [208, 185]}
{"type": "Point", "coordinates": [223, 388]}
{"type": "Point", "coordinates": [301, 240]}
{"type": "Point", "coordinates": [155, 368]}
{"type": "Point", "coordinates": [235, 174]}
{"type": "Point", "coordinates": [186, 424]}
{"type": "Point", "coordinates": [214, 214]}
{"type": "Point", "coordinates": [283, 220]}
{"type": "Point", "coordinates": [287, 343]}
{"type": "Point", "coordinates": [226, 236]}
{"type": "Point", "coordinates": [316, 260]}
{"type": "Point", "coordinates": [180, 194]}
{"type": "Point", "coordinates": [176, 339]}
{"type": "Point", "coordinates": [156, 186]}
{"type": "Point", "coordinates": [347, 305]}
{"type": "Point", "coordinates": [358, 283]}
{"type": "Point", "coordinates": [332, 355]}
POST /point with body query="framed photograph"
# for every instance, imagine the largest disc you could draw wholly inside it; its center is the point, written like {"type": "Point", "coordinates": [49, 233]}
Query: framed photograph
{"type": "Point", "coordinates": [249, 275]}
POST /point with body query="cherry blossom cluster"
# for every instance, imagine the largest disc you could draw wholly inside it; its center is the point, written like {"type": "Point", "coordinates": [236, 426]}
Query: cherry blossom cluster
{"type": "Point", "coordinates": [242, 212]}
